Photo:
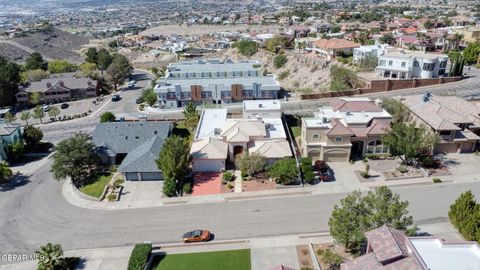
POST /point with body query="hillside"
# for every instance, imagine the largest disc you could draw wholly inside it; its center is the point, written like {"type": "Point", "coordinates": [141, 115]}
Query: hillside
{"type": "Point", "coordinates": [13, 52]}
{"type": "Point", "coordinates": [300, 73]}
{"type": "Point", "coordinates": [55, 44]}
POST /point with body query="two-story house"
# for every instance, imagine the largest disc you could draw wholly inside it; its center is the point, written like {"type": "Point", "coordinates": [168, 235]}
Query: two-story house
{"type": "Point", "coordinates": [58, 88]}
{"type": "Point", "coordinates": [215, 81]}
{"type": "Point", "coordinates": [402, 64]}
{"type": "Point", "coordinates": [456, 120]}
{"type": "Point", "coordinates": [9, 134]}
{"type": "Point", "coordinates": [347, 128]}
{"type": "Point", "coordinates": [363, 52]}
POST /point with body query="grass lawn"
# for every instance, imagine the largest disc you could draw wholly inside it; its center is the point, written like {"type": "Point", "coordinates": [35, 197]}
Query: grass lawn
{"type": "Point", "coordinates": [96, 188]}
{"type": "Point", "coordinates": [181, 130]}
{"type": "Point", "coordinates": [296, 130]}
{"type": "Point", "coordinates": [225, 260]}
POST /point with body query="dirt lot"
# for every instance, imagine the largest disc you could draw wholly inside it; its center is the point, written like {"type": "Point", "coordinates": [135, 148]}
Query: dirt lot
{"type": "Point", "coordinates": [207, 29]}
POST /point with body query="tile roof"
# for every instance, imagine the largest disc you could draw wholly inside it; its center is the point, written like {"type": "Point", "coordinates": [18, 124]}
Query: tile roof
{"type": "Point", "coordinates": [142, 158]}
{"type": "Point", "coordinates": [271, 149]}
{"type": "Point", "coordinates": [389, 251]}
{"type": "Point", "coordinates": [338, 128]}
{"type": "Point", "coordinates": [345, 105]}
{"type": "Point", "coordinates": [335, 43]}
{"type": "Point", "coordinates": [240, 130]}
{"type": "Point", "coordinates": [443, 112]}
{"type": "Point", "coordinates": [209, 148]}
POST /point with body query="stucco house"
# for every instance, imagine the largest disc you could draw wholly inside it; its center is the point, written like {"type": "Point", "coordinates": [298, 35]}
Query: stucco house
{"type": "Point", "coordinates": [388, 248]}
{"type": "Point", "coordinates": [218, 139]}
{"type": "Point", "coordinates": [133, 146]}
{"type": "Point", "coordinates": [8, 134]}
{"type": "Point", "coordinates": [346, 128]}
{"type": "Point", "coordinates": [331, 48]}
{"type": "Point", "coordinates": [456, 120]}
{"type": "Point", "coordinates": [59, 88]}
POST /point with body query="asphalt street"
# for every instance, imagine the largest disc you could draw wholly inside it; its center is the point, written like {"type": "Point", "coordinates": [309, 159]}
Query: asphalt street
{"type": "Point", "coordinates": [34, 212]}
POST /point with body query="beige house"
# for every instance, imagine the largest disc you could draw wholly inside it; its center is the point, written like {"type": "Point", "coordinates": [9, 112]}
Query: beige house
{"type": "Point", "coordinates": [456, 120]}
{"type": "Point", "coordinates": [59, 88]}
{"type": "Point", "coordinates": [347, 128]}
{"type": "Point", "coordinates": [331, 48]}
{"type": "Point", "coordinates": [218, 140]}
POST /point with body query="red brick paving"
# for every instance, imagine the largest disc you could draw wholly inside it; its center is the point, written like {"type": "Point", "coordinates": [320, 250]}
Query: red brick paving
{"type": "Point", "coordinates": [207, 183]}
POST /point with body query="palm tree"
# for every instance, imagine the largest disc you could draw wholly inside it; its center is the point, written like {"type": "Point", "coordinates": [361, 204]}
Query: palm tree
{"type": "Point", "coordinates": [25, 116]}
{"type": "Point", "coordinates": [49, 256]}
{"type": "Point", "coordinates": [54, 111]}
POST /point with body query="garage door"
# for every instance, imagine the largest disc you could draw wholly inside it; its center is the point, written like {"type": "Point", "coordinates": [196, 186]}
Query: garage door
{"type": "Point", "coordinates": [447, 148]}
{"type": "Point", "coordinates": [151, 176]}
{"type": "Point", "coordinates": [335, 157]}
{"type": "Point", "coordinates": [467, 147]}
{"type": "Point", "coordinates": [131, 176]}
{"type": "Point", "coordinates": [208, 165]}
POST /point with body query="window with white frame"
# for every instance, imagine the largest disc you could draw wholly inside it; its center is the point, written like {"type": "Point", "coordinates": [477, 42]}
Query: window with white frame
{"type": "Point", "coordinates": [338, 139]}
{"type": "Point", "coordinates": [376, 147]}
{"type": "Point", "coordinates": [316, 136]}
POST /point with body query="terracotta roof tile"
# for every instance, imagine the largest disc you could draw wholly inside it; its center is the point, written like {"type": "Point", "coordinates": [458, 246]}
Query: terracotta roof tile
{"type": "Point", "coordinates": [335, 43]}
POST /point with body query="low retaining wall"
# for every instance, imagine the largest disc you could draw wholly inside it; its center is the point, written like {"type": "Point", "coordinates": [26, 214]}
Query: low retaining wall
{"type": "Point", "coordinates": [377, 86]}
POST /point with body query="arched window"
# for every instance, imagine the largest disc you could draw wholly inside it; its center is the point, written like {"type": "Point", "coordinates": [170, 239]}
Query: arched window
{"type": "Point", "coordinates": [316, 136]}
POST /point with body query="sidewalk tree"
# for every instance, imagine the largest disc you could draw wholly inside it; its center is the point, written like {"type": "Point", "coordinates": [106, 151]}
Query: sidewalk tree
{"type": "Point", "coordinates": [407, 140]}
{"type": "Point", "coordinates": [191, 116]}
{"type": "Point", "coordinates": [119, 70]}
{"type": "Point", "coordinates": [173, 160]}
{"type": "Point", "coordinates": [54, 112]}
{"type": "Point", "coordinates": [24, 116]}
{"type": "Point", "coordinates": [38, 113]}
{"type": "Point", "coordinates": [471, 53]}
{"type": "Point", "coordinates": [358, 214]}
{"type": "Point", "coordinates": [284, 171]}
{"type": "Point", "coordinates": [9, 117]}
{"type": "Point", "coordinates": [9, 80]}
{"type": "Point", "coordinates": [50, 257]}
{"type": "Point", "coordinates": [5, 172]}
{"type": "Point", "coordinates": [32, 135]}
{"type": "Point", "coordinates": [465, 216]}
{"type": "Point", "coordinates": [150, 97]}
{"type": "Point", "coordinates": [107, 117]}
{"type": "Point", "coordinates": [74, 157]}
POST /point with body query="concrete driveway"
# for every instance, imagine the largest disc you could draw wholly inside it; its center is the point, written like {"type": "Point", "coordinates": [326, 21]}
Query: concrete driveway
{"type": "Point", "coordinates": [141, 193]}
{"type": "Point", "coordinates": [269, 257]}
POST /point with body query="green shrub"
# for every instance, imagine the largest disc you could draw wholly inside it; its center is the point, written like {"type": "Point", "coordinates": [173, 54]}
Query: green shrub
{"type": "Point", "coordinates": [112, 197]}
{"type": "Point", "coordinates": [374, 156]}
{"type": "Point", "coordinates": [306, 161]}
{"type": "Point", "coordinates": [402, 169]}
{"type": "Point", "coordinates": [139, 257]}
{"type": "Point", "coordinates": [243, 175]}
{"type": "Point", "coordinates": [364, 174]}
{"type": "Point", "coordinates": [437, 180]}
{"type": "Point", "coordinates": [279, 61]}
{"type": "Point", "coordinates": [320, 252]}
{"type": "Point", "coordinates": [309, 177]}
{"type": "Point", "coordinates": [187, 188]}
{"type": "Point", "coordinates": [283, 75]}
{"type": "Point", "coordinates": [228, 176]}
{"type": "Point", "coordinates": [246, 47]}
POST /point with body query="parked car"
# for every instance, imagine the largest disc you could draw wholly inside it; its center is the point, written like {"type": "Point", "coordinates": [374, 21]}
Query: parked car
{"type": "Point", "coordinates": [64, 105]}
{"type": "Point", "coordinates": [46, 108]}
{"type": "Point", "coordinates": [197, 236]}
{"type": "Point", "coordinates": [323, 170]}
{"type": "Point", "coordinates": [115, 98]}
{"type": "Point", "coordinates": [138, 101]}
